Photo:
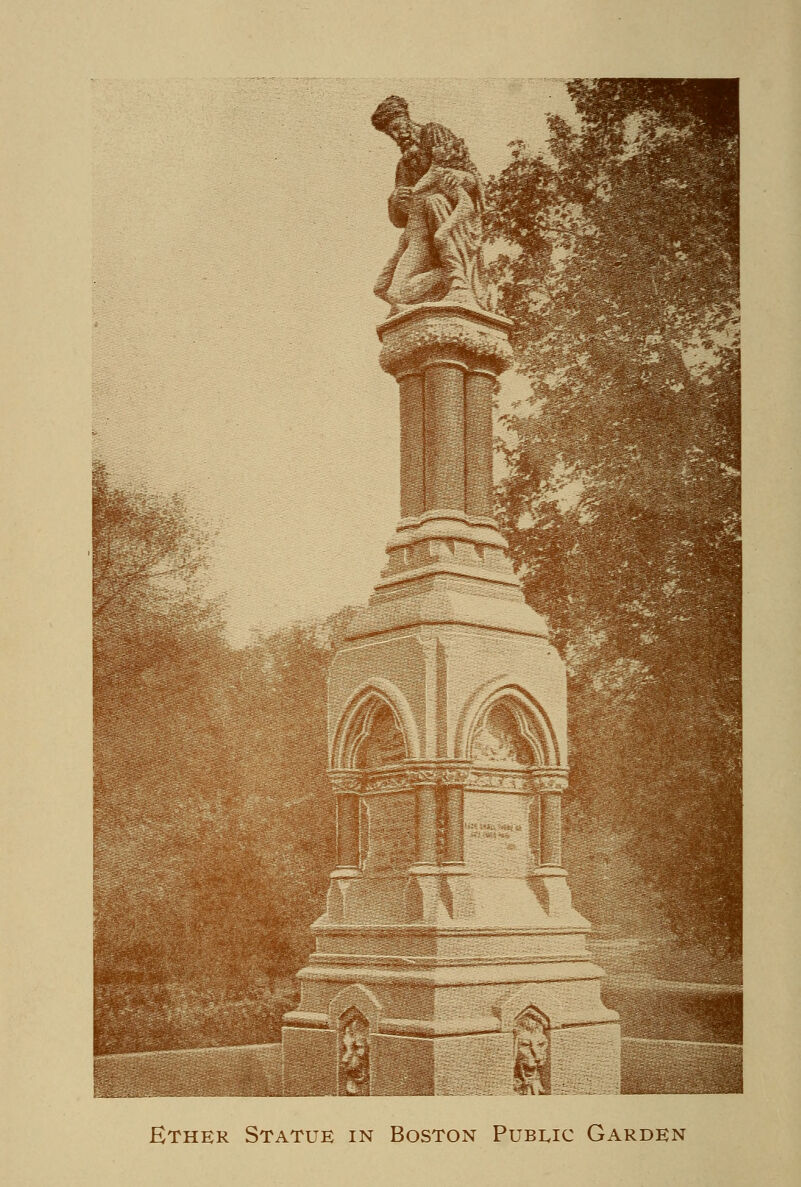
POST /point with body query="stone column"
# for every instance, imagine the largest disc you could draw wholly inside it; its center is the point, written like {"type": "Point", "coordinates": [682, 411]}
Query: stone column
{"type": "Point", "coordinates": [550, 787]}
{"type": "Point", "coordinates": [347, 786]}
{"type": "Point", "coordinates": [412, 452]}
{"type": "Point", "coordinates": [479, 390]}
{"type": "Point", "coordinates": [534, 818]}
{"type": "Point", "coordinates": [456, 886]}
{"type": "Point", "coordinates": [551, 830]}
{"type": "Point", "coordinates": [348, 832]}
{"type": "Point", "coordinates": [446, 360]}
{"type": "Point", "coordinates": [454, 826]}
{"type": "Point", "coordinates": [426, 846]}
{"type": "Point", "coordinates": [444, 438]}
{"type": "Point", "coordinates": [347, 873]}
{"type": "Point", "coordinates": [549, 876]}
{"type": "Point", "coordinates": [422, 893]}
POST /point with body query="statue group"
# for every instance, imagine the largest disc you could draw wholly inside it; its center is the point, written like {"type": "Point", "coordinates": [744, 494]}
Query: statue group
{"type": "Point", "coordinates": [438, 204]}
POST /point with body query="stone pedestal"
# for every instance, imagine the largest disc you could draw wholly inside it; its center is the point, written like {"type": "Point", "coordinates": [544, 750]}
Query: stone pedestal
{"type": "Point", "coordinates": [449, 959]}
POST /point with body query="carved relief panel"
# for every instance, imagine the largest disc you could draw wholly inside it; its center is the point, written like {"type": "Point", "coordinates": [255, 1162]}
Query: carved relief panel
{"type": "Point", "coordinates": [531, 1050]}
{"type": "Point", "coordinates": [354, 1054]}
{"type": "Point", "coordinates": [504, 737]}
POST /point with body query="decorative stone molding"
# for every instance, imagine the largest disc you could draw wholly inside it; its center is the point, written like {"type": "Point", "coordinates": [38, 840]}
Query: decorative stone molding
{"type": "Point", "coordinates": [446, 774]}
{"type": "Point", "coordinates": [530, 1052]}
{"type": "Point", "coordinates": [472, 777]}
{"type": "Point", "coordinates": [387, 781]}
{"type": "Point", "coordinates": [355, 997]}
{"type": "Point", "coordinates": [409, 776]}
{"type": "Point", "coordinates": [491, 779]}
{"type": "Point", "coordinates": [347, 782]}
{"type": "Point", "coordinates": [444, 337]}
{"type": "Point", "coordinates": [549, 783]}
{"type": "Point", "coordinates": [442, 829]}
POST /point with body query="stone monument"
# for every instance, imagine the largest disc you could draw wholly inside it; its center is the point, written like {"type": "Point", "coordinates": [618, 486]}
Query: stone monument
{"type": "Point", "coordinates": [449, 959]}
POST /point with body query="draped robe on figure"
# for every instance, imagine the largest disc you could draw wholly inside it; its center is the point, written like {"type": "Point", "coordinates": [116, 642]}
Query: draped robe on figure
{"type": "Point", "coordinates": [437, 254]}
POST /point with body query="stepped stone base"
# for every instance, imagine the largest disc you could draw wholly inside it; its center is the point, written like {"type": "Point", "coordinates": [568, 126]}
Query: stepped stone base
{"type": "Point", "coordinates": [442, 1007]}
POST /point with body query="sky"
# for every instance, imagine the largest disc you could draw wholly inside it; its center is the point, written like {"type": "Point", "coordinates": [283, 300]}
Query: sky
{"type": "Point", "coordinates": [238, 228]}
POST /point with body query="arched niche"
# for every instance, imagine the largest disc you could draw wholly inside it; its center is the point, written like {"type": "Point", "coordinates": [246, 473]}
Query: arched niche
{"type": "Point", "coordinates": [355, 997]}
{"type": "Point", "coordinates": [532, 1043]}
{"type": "Point", "coordinates": [378, 740]}
{"type": "Point", "coordinates": [503, 736]}
{"type": "Point", "coordinates": [503, 726]}
{"type": "Point", "coordinates": [353, 1041]}
{"type": "Point", "coordinates": [376, 730]}
{"type": "Point", "coordinates": [354, 1013]}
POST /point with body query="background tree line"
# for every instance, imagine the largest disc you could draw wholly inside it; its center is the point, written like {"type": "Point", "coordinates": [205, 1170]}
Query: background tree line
{"type": "Point", "coordinates": [214, 826]}
{"type": "Point", "coordinates": [214, 829]}
{"type": "Point", "coordinates": [622, 498]}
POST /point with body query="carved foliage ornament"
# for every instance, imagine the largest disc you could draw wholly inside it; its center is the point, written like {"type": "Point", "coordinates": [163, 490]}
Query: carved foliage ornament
{"type": "Point", "coordinates": [549, 784]}
{"type": "Point", "coordinates": [407, 777]}
{"type": "Point", "coordinates": [411, 346]}
{"type": "Point", "coordinates": [346, 782]}
{"type": "Point", "coordinates": [484, 779]}
{"type": "Point", "coordinates": [480, 777]}
{"type": "Point", "coordinates": [531, 1053]}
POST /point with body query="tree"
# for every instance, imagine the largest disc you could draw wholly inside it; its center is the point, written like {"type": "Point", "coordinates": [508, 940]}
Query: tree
{"type": "Point", "coordinates": [213, 820]}
{"type": "Point", "coordinates": [619, 269]}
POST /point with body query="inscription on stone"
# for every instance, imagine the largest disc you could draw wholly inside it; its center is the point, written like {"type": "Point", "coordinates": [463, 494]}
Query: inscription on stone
{"type": "Point", "coordinates": [391, 833]}
{"type": "Point", "coordinates": [496, 834]}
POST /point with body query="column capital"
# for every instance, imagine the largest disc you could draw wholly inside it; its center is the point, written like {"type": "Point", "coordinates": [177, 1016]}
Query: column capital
{"type": "Point", "coordinates": [407, 776]}
{"type": "Point", "coordinates": [346, 782]}
{"type": "Point", "coordinates": [444, 772]}
{"type": "Point", "coordinates": [438, 333]}
{"type": "Point", "coordinates": [550, 781]}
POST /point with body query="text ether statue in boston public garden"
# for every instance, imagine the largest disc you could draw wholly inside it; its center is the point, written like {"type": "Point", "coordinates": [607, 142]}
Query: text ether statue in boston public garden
{"type": "Point", "coordinates": [449, 959]}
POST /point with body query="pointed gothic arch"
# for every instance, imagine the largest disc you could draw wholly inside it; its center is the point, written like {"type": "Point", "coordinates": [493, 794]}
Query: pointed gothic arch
{"type": "Point", "coordinates": [503, 724]}
{"type": "Point", "coordinates": [375, 729]}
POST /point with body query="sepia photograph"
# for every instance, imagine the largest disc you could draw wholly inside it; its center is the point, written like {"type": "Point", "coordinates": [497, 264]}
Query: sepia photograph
{"type": "Point", "coordinates": [417, 587]}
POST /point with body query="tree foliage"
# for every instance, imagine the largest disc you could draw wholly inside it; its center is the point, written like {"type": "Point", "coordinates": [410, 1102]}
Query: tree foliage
{"type": "Point", "coordinates": [214, 825]}
{"type": "Point", "coordinates": [619, 268]}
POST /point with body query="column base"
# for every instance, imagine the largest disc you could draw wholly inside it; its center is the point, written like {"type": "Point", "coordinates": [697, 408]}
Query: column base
{"type": "Point", "coordinates": [439, 894]}
{"type": "Point", "coordinates": [471, 1046]}
{"type": "Point", "coordinates": [552, 890]}
{"type": "Point", "coordinates": [342, 880]}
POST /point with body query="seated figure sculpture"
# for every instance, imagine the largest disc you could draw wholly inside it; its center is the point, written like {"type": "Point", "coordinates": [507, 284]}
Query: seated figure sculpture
{"type": "Point", "coordinates": [438, 202]}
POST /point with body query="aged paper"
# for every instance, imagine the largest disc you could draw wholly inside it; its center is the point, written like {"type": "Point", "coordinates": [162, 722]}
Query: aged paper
{"type": "Point", "coordinates": [56, 1130]}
